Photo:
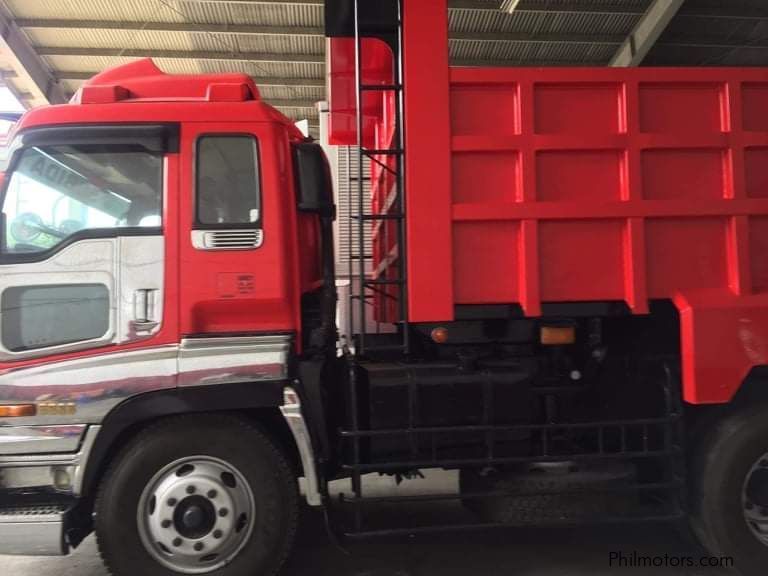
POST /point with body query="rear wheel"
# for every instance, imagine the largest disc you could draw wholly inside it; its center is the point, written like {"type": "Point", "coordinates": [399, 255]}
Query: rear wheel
{"type": "Point", "coordinates": [197, 495]}
{"type": "Point", "coordinates": [730, 490]}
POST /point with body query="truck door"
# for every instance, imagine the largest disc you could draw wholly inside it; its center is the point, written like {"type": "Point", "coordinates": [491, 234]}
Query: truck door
{"type": "Point", "coordinates": [236, 302]}
{"type": "Point", "coordinates": [235, 267]}
{"type": "Point", "coordinates": [82, 255]}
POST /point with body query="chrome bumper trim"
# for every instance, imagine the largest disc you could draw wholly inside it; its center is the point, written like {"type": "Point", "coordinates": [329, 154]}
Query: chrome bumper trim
{"type": "Point", "coordinates": [29, 470]}
{"type": "Point", "coordinates": [33, 531]}
{"type": "Point", "coordinates": [40, 439]}
{"type": "Point", "coordinates": [291, 410]}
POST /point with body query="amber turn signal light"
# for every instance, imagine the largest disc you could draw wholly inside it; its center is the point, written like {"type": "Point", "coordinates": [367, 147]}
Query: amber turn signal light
{"type": "Point", "coordinates": [17, 410]}
{"type": "Point", "coordinates": [558, 335]}
{"type": "Point", "coordinates": [439, 335]}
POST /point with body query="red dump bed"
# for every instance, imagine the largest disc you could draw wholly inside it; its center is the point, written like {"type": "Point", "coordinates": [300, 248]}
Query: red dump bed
{"type": "Point", "coordinates": [544, 185]}
{"type": "Point", "coordinates": [605, 184]}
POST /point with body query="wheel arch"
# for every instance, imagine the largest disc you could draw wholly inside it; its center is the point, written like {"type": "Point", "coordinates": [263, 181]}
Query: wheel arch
{"type": "Point", "coordinates": [258, 402]}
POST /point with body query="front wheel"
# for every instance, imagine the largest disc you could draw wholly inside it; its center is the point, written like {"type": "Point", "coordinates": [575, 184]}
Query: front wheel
{"type": "Point", "coordinates": [730, 490]}
{"type": "Point", "coordinates": [197, 495]}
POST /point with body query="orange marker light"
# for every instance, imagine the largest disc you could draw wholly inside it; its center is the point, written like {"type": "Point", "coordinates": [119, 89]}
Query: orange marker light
{"type": "Point", "coordinates": [17, 410]}
{"type": "Point", "coordinates": [439, 335]}
{"type": "Point", "coordinates": [558, 335]}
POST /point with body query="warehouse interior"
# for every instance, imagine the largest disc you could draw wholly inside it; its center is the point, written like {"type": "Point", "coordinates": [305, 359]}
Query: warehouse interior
{"type": "Point", "coordinates": [48, 48]}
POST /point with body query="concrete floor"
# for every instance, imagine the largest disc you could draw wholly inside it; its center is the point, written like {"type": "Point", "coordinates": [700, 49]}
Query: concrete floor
{"type": "Point", "coordinates": [531, 552]}
{"type": "Point", "coordinates": [541, 552]}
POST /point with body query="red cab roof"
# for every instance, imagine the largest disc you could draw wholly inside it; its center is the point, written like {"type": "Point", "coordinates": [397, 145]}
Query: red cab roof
{"type": "Point", "coordinates": [140, 92]}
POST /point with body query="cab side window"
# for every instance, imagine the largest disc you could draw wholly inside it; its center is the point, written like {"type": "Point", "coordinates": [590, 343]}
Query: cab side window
{"type": "Point", "coordinates": [228, 181]}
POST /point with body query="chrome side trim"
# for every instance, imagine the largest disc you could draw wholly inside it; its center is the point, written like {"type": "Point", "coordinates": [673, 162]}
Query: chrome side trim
{"type": "Point", "coordinates": [224, 360]}
{"type": "Point", "coordinates": [40, 439]}
{"type": "Point", "coordinates": [95, 384]}
{"type": "Point", "coordinates": [33, 531]}
{"type": "Point", "coordinates": [92, 386]}
{"type": "Point", "coordinates": [291, 410]}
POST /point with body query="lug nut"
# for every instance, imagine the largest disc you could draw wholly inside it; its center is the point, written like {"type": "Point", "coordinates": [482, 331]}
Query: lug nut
{"type": "Point", "coordinates": [212, 494]}
{"type": "Point", "coordinates": [166, 524]}
{"type": "Point", "coordinates": [217, 534]}
{"type": "Point", "coordinates": [191, 489]}
{"type": "Point", "coordinates": [172, 502]}
{"type": "Point", "coordinates": [223, 512]}
{"type": "Point", "coordinates": [177, 542]}
{"type": "Point", "coordinates": [198, 546]}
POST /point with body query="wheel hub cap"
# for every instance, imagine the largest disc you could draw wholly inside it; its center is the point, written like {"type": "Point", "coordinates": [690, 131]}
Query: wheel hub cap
{"type": "Point", "coordinates": [754, 499]}
{"type": "Point", "coordinates": [194, 517]}
{"type": "Point", "coordinates": [196, 514]}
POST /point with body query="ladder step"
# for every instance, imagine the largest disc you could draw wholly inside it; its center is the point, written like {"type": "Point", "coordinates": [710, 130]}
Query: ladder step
{"type": "Point", "coordinates": [380, 87]}
{"type": "Point", "coordinates": [361, 256]}
{"type": "Point", "coordinates": [397, 282]}
{"type": "Point", "coordinates": [38, 528]}
{"type": "Point", "coordinates": [385, 348]}
{"type": "Point", "coordinates": [379, 217]}
{"type": "Point", "coordinates": [381, 151]}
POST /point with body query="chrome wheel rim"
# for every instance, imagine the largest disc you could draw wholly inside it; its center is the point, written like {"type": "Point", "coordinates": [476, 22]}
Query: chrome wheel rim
{"type": "Point", "coordinates": [196, 514]}
{"type": "Point", "coordinates": [754, 499]}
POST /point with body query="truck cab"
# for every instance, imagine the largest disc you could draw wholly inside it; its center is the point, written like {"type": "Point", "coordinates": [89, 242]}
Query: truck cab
{"type": "Point", "coordinates": [160, 234]}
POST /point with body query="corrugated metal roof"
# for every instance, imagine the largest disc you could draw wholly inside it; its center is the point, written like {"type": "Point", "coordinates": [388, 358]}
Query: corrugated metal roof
{"type": "Point", "coordinates": [281, 44]}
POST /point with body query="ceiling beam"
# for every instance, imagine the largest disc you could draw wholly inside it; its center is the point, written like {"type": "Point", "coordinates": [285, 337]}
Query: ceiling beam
{"type": "Point", "coordinates": [525, 5]}
{"type": "Point", "coordinates": [760, 44]}
{"type": "Point", "coordinates": [646, 32]}
{"type": "Point", "coordinates": [558, 38]}
{"type": "Point", "coordinates": [260, 81]}
{"type": "Point", "coordinates": [255, 30]}
{"type": "Point", "coordinates": [319, 58]}
{"type": "Point", "coordinates": [537, 38]}
{"type": "Point", "coordinates": [574, 6]}
{"type": "Point", "coordinates": [31, 71]}
{"type": "Point", "coordinates": [291, 103]}
{"type": "Point", "coordinates": [475, 63]}
{"type": "Point", "coordinates": [182, 54]}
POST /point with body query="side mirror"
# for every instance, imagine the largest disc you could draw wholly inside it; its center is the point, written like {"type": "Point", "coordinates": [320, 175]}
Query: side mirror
{"type": "Point", "coordinates": [314, 188]}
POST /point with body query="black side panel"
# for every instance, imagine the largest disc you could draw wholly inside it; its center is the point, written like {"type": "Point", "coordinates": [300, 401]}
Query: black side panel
{"type": "Point", "coordinates": [313, 180]}
{"type": "Point", "coordinates": [154, 405]}
{"type": "Point", "coordinates": [378, 18]}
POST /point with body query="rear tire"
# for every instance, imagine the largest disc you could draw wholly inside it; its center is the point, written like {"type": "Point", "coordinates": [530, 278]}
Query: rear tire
{"type": "Point", "coordinates": [722, 482]}
{"type": "Point", "coordinates": [197, 495]}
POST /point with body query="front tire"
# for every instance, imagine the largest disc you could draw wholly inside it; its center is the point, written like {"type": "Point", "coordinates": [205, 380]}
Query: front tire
{"type": "Point", "coordinates": [197, 495]}
{"type": "Point", "coordinates": [729, 480]}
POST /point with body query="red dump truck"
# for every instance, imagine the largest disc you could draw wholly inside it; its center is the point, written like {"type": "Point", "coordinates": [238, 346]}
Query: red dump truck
{"type": "Point", "coordinates": [565, 268]}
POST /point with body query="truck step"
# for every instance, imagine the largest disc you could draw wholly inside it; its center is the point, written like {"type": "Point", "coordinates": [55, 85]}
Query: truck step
{"type": "Point", "coordinates": [34, 529]}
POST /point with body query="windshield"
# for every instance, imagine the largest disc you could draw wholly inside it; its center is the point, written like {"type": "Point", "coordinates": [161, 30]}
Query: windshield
{"type": "Point", "coordinates": [57, 191]}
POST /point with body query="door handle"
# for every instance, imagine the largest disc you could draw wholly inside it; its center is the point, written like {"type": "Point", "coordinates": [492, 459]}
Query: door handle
{"type": "Point", "coordinates": [144, 306]}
